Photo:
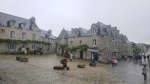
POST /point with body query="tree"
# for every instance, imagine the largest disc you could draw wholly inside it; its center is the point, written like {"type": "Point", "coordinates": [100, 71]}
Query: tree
{"type": "Point", "coordinates": [136, 50]}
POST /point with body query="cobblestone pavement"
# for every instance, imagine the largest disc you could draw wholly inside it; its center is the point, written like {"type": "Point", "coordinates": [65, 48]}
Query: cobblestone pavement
{"type": "Point", "coordinates": [129, 71]}
{"type": "Point", "coordinates": [39, 70]}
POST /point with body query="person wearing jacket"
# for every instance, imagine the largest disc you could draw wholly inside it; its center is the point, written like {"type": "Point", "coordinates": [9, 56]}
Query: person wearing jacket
{"type": "Point", "coordinates": [144, 69]}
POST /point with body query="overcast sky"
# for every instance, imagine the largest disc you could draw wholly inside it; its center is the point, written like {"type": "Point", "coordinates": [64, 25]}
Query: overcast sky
{"type": "Point", "coordinates": [131, 17]}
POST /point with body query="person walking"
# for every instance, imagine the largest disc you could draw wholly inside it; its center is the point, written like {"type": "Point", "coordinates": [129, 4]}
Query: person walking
{"type": "Point", "coordinates": [112, 61]}
{"type": "Point", "coordinates": [64, 62]}
{"type": "Point", "coordinates": [148, 57]}
{"type": "Point", "coordinates": [144, 73]}
{"type": "Point", "coordinates": [136, 58]}
{"type": "Point", "coordinates": [144, 58]}
{"type": "Point", "coordinates": [115, 62]}
{"type": "Point", "coordinates": [71, 57]}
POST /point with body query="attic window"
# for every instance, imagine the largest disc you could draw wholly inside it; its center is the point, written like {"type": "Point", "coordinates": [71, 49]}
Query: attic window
{"type": "Point", "coordinates": [21, 25]}
{"type": "Point", "coordinates": [11, 23]}
{"type": "Point", "coordinates": [94, 31]}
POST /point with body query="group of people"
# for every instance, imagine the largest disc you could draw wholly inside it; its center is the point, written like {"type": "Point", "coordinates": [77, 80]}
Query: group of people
{"type": "Point", "coordinates": [139, 59]}
{"type": "Point", "coordinates": [114, 61]}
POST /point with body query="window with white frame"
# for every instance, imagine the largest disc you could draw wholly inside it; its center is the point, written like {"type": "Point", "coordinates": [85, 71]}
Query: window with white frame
{"type": "Point", "coordinates": [94, 31]}
{"type": "Point", "coordinates": [94, 41]}
{"type": "Point", "coordinates": [12, 34]}
{"type": "Point", "coordinates": [12, 46]}
{"type": "Point", "coordinates": [23, 35]}
{"type": "Point", "coordinates": [33, 46]}
{"type": "Point", "coordinates": [33, 36]}
{"type": "Point", "coordinates": [42, 38]}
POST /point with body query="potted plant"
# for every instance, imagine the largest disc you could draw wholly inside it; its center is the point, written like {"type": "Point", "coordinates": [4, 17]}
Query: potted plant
{"type": "Point", "coordinates": [81, 65]}
{"type": "Point", "coordinates": [93, 63]}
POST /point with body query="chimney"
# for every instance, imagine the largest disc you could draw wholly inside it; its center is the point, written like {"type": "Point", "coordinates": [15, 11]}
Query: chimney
{"type": "Point", "coordinates": [50, 32]}
{"type": "Point", "coordinates": [32, 19]}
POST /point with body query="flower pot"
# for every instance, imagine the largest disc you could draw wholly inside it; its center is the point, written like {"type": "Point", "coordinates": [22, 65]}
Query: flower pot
{"type": "Point", "coordinates": [92, 64]}
{"type": "Point", "coordinates": [23, 59]}
{"type": "Point", "coordinates": [59, 68]}
{"type": "Point", "coordinates": [80, 66]}
{"type": "Point", "coordinates": [17, 57]}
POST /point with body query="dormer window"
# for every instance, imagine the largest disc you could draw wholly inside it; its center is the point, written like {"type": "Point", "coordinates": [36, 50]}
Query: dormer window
{"type": "Point", "coordinates": [21, 25]}
{"type": "Point", "coordinates": [76, 33]}
{"type": "Point", "coordinates": [94, 30]}
{"type": "Point", "coordinates": [11, 23]}
{"type": "Point", "coordinates": [32, 27]}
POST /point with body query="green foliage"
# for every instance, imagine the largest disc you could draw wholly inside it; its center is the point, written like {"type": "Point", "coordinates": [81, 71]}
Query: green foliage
{"type": "Point", "coordinates": [73, 48]}
{"type": "Point", "coordinates": [22, 41]}
{"type": "Point", "coordinates": [83, 47]}
{"type": "Point", "coordinates": [136, 50]}
{"type": "Point", "coordinates": [63, 46]}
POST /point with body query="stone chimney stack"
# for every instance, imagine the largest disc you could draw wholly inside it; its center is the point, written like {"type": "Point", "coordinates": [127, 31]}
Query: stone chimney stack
{"type": "Point", "coordinates": [32, 19]}
{"type": "Point", "coordinates": [50, 32]}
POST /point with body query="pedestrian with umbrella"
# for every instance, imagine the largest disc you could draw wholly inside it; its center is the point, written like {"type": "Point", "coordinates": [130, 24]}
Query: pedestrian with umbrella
{"type": "Point", "coordinates": [144, 73]}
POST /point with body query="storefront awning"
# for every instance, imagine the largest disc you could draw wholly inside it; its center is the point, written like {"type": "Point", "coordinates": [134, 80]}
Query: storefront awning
{"type": "Point", "coordinates": [93, 50]}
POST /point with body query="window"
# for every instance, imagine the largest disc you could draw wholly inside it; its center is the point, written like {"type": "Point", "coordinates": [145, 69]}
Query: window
{"type": "Point", "coordinates": [33, 38]}
{"type": "Point", "coordinates": [11, 46]}
{"type": "Point", "coordinates": [80, 42]}
{"type": "Point", "coordinates": [48, 40]}
{"type": "Point", "coordinates": [24, 35]}
{"type": "Point", "coordinates": [45, 39]}
{"type": "Point", "coordinates": [42, 38]}
{"type": "Point", "coordinates": [71, 43]}
{"type": "Point", "coordinates": [94, 31]}
{"type": "Point", "coordinates": [12, 35]}
{"type": "Point", "coordinates": [22, 26]}
{"type": "Point", "coordinates": [33, 46]}
{"type": "Point", "coordinates": [94, 41]}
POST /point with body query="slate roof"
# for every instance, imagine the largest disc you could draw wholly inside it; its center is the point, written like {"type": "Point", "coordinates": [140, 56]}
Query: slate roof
{"type": "Point", "coordinates": [4, 18]}
{"type": "Point", "coordinates": [102, 30]}
{"type": "Point", "coordinates": [45, 34]}
{"type": "Point", "coordinates": [66, 31]}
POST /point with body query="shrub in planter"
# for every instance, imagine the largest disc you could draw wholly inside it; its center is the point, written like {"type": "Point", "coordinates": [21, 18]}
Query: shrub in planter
{"type": "Point", "coordinates": [59, 68]}
{"type": "Point", "coordinates": [23, 59]}
{"type": "Point", "coordinates": [93, 63]}
{"type": "Point", "coordinates": [81, 66]}
{"type": "Point", "coordinates": [17, 57]}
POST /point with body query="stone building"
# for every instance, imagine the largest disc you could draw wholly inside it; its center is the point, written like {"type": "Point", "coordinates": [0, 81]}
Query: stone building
{"type": "Point", "coordinates": [103, 41]}
{"type": "Point", "coordinates": [17, 33]}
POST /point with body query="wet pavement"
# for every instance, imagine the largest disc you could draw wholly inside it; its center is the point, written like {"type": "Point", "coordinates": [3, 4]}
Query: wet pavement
{"type": "Point", "coordinates": [129, 72]}
{"type": "Point", "coordinates": [39, 70]}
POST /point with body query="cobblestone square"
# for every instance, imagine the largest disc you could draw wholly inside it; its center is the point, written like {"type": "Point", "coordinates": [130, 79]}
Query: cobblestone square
{"type": "Point", "coordinates": [39, 70]}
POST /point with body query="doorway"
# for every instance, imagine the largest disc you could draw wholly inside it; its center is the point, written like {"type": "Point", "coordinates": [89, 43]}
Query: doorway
{"type": "Point", "coordinates": [81, 54]}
